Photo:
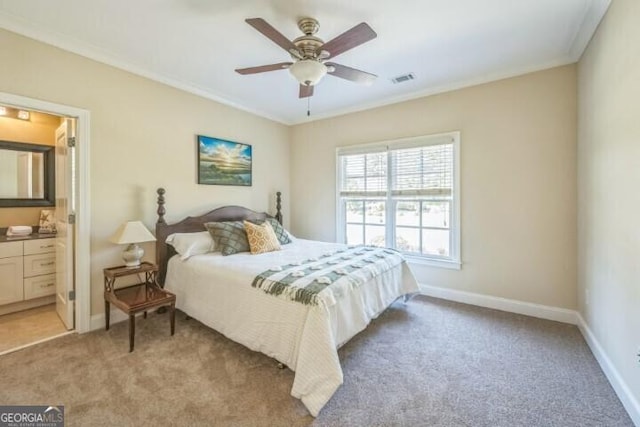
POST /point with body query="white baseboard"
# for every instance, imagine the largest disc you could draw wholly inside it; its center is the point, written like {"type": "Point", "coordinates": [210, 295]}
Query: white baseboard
{"type": "Point", "coordinates": [117, 316]}
{"type": "Point", "coordinates": [513, 306]}
{"type": "Point", "coordinates": [26, 305]}
{"type": "Point", "coordinates": [621, 388]}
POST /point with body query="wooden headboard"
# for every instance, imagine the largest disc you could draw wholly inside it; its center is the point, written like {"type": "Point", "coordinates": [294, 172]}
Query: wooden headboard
{"type": "Point", "coordinates": [193, 224]}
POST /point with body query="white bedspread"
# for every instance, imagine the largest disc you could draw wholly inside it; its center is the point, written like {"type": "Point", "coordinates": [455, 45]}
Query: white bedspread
{"type": "Point", "coordinates": [217, 291]}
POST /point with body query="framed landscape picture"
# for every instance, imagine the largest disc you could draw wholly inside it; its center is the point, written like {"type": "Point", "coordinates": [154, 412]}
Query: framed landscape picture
{"type": "Point", "coordinates": [222, 162]}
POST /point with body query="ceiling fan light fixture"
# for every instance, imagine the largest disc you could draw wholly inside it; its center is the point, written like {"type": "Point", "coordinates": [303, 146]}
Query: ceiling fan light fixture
{"type": "Point", "coordinates": [309, 54]}
{"type": "Point", "coordinates": [308, 72]}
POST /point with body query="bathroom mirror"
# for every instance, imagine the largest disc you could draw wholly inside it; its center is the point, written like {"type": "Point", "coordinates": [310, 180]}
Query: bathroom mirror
{"type": "Point", "coordinates": [27, 175]}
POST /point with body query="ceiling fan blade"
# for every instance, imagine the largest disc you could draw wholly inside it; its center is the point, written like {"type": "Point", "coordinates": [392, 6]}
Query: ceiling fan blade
{"type": "Point", "coordinates": [272, 34]}
{"type": "Point", "coordinates": [264, 68]}
{"type": "Point", "coordinates": [306, 91]}
{"type": "Point", "coordinates": [356, 36]}
{"type": "Point", "coordinates": [351, 74]}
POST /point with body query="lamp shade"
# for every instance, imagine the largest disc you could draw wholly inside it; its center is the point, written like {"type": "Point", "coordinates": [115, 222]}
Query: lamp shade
{"type": "Point", "coordinates": [308, 72]}
{"type": "Point", "coordinates": [132, 232]}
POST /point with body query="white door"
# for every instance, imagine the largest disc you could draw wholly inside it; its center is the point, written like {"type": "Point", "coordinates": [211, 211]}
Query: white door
{"type": "Point", "coordinates": [64, 237]}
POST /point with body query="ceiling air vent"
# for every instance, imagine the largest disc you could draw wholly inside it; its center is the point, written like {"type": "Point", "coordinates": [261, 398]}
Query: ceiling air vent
{"type": "Point", "coordinates": [403, 78]}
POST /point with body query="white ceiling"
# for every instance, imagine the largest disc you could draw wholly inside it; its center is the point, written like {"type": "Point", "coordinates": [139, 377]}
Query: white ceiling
{"type": "Point", "coordinates": [195, 45]}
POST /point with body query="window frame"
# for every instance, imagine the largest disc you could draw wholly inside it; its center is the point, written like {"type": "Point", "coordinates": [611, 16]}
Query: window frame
{"type": "Point", "coordinates": [453, 261]}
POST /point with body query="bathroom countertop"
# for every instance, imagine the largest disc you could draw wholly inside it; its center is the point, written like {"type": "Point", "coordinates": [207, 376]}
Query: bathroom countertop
{"type": "Point", "coordinates": [32, 236]}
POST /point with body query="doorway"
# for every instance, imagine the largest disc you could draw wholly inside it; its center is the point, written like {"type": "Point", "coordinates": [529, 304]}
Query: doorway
{"type": "Point", "coordinates": [72, 303]}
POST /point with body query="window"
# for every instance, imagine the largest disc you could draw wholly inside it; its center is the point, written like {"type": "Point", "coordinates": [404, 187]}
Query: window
{"type": "Point", "coordinates": [402, 194]}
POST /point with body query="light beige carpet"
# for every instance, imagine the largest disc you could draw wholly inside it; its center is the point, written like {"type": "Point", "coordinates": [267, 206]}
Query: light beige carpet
{"type": "Point", "coordinates": [426, 363]}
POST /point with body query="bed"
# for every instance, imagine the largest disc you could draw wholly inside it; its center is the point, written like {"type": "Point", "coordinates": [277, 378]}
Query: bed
{"type": "Point", "coordinates": [227, 294]}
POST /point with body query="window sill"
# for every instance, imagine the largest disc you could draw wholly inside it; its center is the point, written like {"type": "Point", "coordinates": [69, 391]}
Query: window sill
{"type": "Point", "coordinates": [434, 262]}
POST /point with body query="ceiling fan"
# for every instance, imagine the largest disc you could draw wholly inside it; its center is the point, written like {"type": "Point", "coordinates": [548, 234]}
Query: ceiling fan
{"type": "Point", "coordinates": [310, 53]}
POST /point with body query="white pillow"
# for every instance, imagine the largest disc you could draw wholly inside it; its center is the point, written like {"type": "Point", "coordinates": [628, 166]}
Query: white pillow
{"type": "Point", "coordinates": [189, 244]}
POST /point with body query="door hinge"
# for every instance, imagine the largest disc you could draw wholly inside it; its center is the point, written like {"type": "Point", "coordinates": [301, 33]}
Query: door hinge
{"type": "Point", "coordinates": [72, 295]}
{"type": "Point", "coordinates": [72, 218]}
{"type": "Point", "coordinates": [71, 141]}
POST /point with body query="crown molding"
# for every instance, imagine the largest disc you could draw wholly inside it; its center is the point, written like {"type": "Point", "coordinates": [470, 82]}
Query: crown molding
{"type": "Point", "coordinates": [20, 26]}
{"type": "Point", "coordinates": [593, 15]}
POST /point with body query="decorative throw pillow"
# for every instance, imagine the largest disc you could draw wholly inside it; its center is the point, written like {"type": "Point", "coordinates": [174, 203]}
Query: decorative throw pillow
{"type": "Point", "coordinates": [229, 236]}
{"type": "Point", "coordinates": [281, 233]}
{"type": "Point", "coordinates": [261, 237]}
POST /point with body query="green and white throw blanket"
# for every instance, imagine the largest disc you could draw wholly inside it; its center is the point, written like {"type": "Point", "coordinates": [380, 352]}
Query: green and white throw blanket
{"type": "Point", "coordinates": [304, 281]}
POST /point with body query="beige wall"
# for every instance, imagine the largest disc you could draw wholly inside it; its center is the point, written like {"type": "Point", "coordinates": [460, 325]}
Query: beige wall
{"type": "Point", "coordinates": [143, 137]}
{"type": "Point", "coordinates": [518, 173]}
{"type": "Point", "coordinates": [609, 199]}
{"type": "Point", "coordinates": [19, 216]}
{"type": "Point", "coordinates": [39, 130]}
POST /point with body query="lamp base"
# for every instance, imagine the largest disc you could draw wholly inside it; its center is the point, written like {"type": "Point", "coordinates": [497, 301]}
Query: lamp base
{"type": "Point", "coordinates": [132, 255]}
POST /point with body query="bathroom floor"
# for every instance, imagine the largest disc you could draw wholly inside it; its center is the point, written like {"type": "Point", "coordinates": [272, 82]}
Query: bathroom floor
{"type": "Point", "coordinates": [29, 326]}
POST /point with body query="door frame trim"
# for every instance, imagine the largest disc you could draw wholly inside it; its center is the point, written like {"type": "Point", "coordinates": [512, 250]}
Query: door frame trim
{"type": "Point", "coordinates": [82, 252]}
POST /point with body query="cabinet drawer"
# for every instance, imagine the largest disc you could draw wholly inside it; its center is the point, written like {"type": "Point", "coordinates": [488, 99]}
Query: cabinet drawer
{"type": "Point", "coordinates": [9, 249]}
{"type": "Point", "coordinates": [36, 265]}
{"type": "Point", "coordinates": [39, 286]}
{"type": "Point", "coordinates": [40, 246]}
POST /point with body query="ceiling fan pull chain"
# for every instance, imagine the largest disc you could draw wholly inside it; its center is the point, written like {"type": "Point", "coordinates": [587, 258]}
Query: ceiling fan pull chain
{"type": "Point", "coordinates": [308, 106]}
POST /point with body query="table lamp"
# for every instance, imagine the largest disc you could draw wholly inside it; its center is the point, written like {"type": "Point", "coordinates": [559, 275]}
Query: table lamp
{"type": "Point", "coordinates": [131, 233]}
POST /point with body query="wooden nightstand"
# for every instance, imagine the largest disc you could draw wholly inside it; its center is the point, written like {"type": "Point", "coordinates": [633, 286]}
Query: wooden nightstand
{"type": "Point", "coordinates": [136, 298]}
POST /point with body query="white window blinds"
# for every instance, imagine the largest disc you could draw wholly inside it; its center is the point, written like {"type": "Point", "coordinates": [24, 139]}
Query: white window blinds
{"type": "Point", "coordinates": [422, 171]}
{"type": "Point", "coordinates": [364, 175]}
{"type": "Point", "coordinates": [417, 171]}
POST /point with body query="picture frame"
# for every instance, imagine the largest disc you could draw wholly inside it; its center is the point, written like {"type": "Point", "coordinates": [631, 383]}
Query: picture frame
{"type": "Point", "coordinates": [47, 221]}
{"type": "Point", "coordinates": [224, 162]}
